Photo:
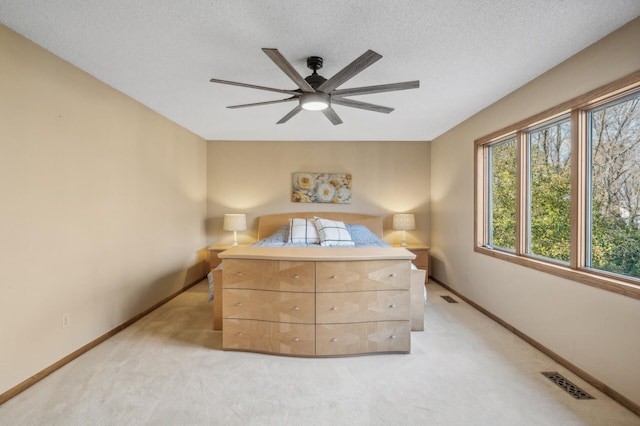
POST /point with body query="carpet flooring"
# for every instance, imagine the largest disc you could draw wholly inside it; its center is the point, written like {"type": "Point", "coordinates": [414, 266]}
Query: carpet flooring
{"type": "Point", "coordinates": [168, 369]}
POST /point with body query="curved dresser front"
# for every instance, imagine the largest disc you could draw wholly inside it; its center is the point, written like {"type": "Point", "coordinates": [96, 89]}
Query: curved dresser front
{"type": "Point", "coordinates": [316, 301]}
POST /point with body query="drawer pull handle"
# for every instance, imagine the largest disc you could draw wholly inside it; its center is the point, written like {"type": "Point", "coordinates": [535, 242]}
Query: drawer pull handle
{"type": "Point", "coordinates": [296, 339]}
{"type": "Point", "coordinates": [334, 308]}
{"type": "Point", "coordinates": [392, 275]}
{"type": "Point", "coordinates": [333, 277]}
{"type": "Point", "coordinates": [296, 276]}
{"type": "Point", "coordinates": [334, 340]}
{"type": "Point", "coordinates": [239, 334]}
{"type": "Point", "coordinates": [393, 305]}
{"type": "Point", "coordinates": [393, 336]}
{"type": "Point", "coordinates": [238, 273]}
{"type": "Point", "coordinates": [239, 304]}
{"type": "Point", "coordinates": [296, 308]}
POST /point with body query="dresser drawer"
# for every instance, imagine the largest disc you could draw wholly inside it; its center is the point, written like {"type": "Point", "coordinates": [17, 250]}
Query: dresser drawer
{"type": "Point", "coordinates": [269, 337]}
{"type": "Point", "coordinates": [268, 275]}
{"type": "Point", "coordinates": [362, 275]}
{"type": "Point", "coordinates": [362, 306]}
{"type": "Point", "coordinates": [360, 338]}
{"type": "Point", "coordinates": [264, 305]}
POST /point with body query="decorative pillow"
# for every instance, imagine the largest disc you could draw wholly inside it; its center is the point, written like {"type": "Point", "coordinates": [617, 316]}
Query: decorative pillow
{"type": "Point", "coordinates": [333, 233]}
{"type": "Point", "coordinates": [303, 231]}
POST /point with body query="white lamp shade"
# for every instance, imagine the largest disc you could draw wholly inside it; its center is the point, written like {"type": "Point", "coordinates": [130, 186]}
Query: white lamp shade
{"type": "Point", "coordinates": [235, 222]}
{"type": "Point", "coordinates": [404, 222]}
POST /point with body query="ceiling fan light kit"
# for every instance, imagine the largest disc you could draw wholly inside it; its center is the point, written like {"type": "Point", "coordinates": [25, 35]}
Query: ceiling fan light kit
{"type": "Point", "coordinates": [316, 101]}
{"type": "Point", "coordinates": [316, 93]}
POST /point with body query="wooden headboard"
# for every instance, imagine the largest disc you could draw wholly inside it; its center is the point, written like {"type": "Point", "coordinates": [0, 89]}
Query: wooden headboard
{"type": "Point", "coordinates": [269, 224]}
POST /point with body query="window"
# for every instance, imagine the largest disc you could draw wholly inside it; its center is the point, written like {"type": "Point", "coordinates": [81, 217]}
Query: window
{"type": "Point", "coordinates": [549, 190]}
{"type": "Point", "coordinates": [614, 187]}
{"type": "Point", "coordinates": [560, 192]}
{"type": "Point", "coordinates": [502, 204]}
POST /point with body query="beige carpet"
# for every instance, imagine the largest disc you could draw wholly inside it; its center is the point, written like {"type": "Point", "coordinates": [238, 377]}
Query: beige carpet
{"type": "Point", "coordinates": [168, 369]}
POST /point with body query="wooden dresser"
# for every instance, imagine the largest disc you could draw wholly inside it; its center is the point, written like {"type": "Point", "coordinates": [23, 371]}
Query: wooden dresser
{"type": "Point", "coordinates": [327, 302]}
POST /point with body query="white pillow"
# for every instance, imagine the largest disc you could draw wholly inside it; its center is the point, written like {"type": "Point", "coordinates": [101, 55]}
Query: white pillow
{"type": "Point", "coordinates": [303, 231]}
{"type": "Point", "coordinates": [333, 233]}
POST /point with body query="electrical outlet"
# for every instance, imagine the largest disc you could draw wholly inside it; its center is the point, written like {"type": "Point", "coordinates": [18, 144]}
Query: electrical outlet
{"type": "Point", "coordinates": [66, 319]}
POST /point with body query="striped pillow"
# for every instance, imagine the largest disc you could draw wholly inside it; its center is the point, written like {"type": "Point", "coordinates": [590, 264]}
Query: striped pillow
{"type": "Point", "coordinates": [303, 231]}
{"type": "Point", "coordinates": [333, 233]}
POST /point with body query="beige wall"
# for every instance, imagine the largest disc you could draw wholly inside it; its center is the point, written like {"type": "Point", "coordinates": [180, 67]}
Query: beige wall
{"type": "Point", "coordinates": [102, 208]}
{"type": "Point", "coordinates": [594, 329]}
{"type": "Point", "coordinates": [255, 178]}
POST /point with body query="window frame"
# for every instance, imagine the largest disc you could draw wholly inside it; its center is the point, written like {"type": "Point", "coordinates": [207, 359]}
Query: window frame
{"type": "Point", "coordinates": [576, 109]}
{"type": "Point", "coordinates": [528, 195]}
{"type": "Point", "coordinates": [489, 206]}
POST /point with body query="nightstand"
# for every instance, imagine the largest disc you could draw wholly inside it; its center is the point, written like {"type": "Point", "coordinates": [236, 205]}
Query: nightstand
{"type": "Point", "coordinates": [214, 260]}
{"type": "Point", "coordinates": [422, 258]}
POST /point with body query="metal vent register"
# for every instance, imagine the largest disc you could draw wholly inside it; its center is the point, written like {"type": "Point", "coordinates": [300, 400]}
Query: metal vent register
{"type": "Point", "coordinates": [566, 384]}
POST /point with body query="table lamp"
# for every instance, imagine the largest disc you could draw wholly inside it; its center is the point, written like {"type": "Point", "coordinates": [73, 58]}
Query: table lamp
{"type": "Point", "coordinates": [404, 222]}
{"type": "Point", "coordinates": [235, 222]}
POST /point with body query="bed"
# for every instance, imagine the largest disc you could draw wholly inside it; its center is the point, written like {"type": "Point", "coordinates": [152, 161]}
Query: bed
{"type": "Point", "coordinates": [304, 299]}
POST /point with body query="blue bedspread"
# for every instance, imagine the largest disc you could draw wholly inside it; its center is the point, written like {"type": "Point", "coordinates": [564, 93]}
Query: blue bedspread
{"type": "Point", "coordinates": [360, 234]}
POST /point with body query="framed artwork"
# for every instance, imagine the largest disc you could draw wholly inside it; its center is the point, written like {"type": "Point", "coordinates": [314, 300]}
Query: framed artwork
{"type": "Point", "coordinates": [321, 188]}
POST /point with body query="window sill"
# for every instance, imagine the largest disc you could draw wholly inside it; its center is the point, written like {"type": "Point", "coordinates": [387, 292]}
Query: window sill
{"type": "Point", "coordinates": [621, 287]}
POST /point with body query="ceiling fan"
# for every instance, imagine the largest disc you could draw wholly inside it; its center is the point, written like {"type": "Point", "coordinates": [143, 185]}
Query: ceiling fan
{"type": "Point", "coordinates": [316, 93]}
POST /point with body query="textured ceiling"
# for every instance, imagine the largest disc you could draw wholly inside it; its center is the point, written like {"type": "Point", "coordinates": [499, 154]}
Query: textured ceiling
{"type": "Point", "coordinates": [467, 54]}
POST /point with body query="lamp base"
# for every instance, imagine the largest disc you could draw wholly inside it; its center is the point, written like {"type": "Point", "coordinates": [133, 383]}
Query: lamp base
{"type": "Point", "coordinates": [404, 239]}
{"type": "Point", "coordinates": [235, 239]}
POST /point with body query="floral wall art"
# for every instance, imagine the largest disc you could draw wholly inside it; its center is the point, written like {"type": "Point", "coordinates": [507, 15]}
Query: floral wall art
{"type": "Point", "coordinates": [321, 188]}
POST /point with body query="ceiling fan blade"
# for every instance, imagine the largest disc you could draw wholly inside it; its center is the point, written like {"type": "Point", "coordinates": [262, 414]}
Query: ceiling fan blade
{"type": "Point", "coordinates": [291, 113]}
{"type": "Point", "coordinates": [361, 105]}
{"type": "Point", "coordinates": [263, 103]}
{"type": "Point", "coordinates": [288, 69]}
{"type": "Point", "coordinates": [351, 70]}
{"type": "Point", "coordinates": [332, 116]}
{"type": "Point", "coordinates": [253, 86]}
{"type": "Point", "coordinates": [376, 89]}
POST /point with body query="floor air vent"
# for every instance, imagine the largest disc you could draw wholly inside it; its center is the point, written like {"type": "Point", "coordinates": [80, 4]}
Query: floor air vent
{"type": "Point", "coordinates": [449, 299]}
{"type": "Point", "coordinates": [566, 384]}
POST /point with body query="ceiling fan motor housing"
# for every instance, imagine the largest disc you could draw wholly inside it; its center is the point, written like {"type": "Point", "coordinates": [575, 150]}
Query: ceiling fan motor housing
{"type": "Point", "coordinates": [315, 79]}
